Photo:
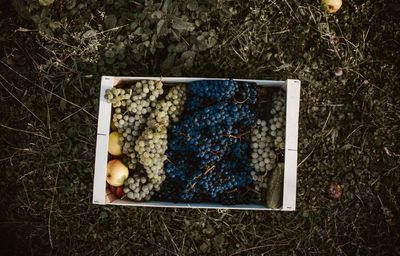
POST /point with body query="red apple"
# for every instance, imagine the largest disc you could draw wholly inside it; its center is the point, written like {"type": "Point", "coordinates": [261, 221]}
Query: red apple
{"type": "Point", "coordinates": [117, 191]}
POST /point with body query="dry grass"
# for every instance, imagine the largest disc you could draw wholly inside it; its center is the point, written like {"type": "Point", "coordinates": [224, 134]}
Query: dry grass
{"type": "Point", "coordinates": [349, 132]}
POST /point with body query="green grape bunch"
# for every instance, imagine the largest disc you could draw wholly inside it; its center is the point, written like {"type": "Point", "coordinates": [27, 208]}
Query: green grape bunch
{"type": "Point", "coordinates": [267, 141]}
{"type": "Point", "coordinates": [151, 145]}
{"type": "Point", "coordinates": [131, 107]}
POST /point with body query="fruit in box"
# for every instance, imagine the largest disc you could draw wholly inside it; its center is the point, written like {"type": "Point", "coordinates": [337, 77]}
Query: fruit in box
{"type": "Point", "coordinates": [117, 173]}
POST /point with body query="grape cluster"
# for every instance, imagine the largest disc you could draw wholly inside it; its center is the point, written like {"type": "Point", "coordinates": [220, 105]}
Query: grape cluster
{"type": "Point", "coordinates": [277, 121]}
{"type": "Point", "coordinates": [206, 153]}
{"type": "Point", "coordinates": [267, 142]}
{"type": "Point", "coordinates": [138, 188]}
{"type": "Point", "coordinates": [208, 92]}
{"type": "Point", "coordinates": [217, 90]}
{"type": "Point", "coordinates": [246, 92]}
{"type": "Point", "coordinates": [222, 112]}
{"type": "Point", "coordinates": [131, 107]}
{"type": "Point", "coordinates": [151, 145]}
{"type": "Point", "coordinates": [169, 108]}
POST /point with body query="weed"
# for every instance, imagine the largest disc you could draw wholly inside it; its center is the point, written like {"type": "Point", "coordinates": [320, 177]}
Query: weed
{"type": "Point", "coordinates": [51, 61]}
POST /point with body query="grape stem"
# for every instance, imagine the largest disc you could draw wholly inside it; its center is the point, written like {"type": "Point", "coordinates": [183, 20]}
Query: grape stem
{"type": "Point", "coordinates": [187, 136]}
{"type": "Point", "coordinates": [240, 102]}
{"type": "Point", "coordinates": [209, 169]}
{"type": "Point", "coordinates": [239, 136]}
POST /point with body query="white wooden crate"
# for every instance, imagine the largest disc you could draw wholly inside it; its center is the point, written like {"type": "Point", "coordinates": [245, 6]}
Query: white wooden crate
{"type": "Point", "coordinates": [102, 196]}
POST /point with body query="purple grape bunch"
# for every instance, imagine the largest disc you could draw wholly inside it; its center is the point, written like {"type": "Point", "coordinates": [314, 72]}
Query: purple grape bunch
{"type": "Point", "coordinates": [207, 158]}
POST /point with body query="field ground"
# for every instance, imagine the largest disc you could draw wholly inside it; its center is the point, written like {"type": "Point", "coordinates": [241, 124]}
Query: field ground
{"type": "Point", "coordinates": [51, 60]}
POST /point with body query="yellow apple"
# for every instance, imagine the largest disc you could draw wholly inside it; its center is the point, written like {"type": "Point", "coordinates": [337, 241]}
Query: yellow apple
{"type": "Point", "coordinates": [46, 2]}
{"type": "Point", "coordinates": [114, 148]}
{"type": "Point", "coordinates": [117, 173]}
{"type": "Point", "coordinates": [331, 6]}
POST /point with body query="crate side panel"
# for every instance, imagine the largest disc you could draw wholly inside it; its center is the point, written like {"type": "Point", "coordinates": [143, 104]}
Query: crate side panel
{"type": "Point", "coordinates": [103, 129]}
{"type": "Point", "coordinates": [291, 141]}
{"type": "Point", "coordinates": [263, 83]}
{"type": "Point", "coordinates": [123, 202]}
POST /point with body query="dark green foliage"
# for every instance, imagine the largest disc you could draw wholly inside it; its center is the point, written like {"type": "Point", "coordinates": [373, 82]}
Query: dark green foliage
{"type": "Point", "coordinates": [51, 61]}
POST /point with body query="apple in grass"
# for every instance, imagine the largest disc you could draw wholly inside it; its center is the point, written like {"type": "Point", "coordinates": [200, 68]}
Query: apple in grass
{"type": "Point", "coordinates": [117, 173]}
{"type": "Point", "coordinates": [331, 6]}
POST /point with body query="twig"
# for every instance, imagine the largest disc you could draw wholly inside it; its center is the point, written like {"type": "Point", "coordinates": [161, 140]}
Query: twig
{"type": "Point", "coordinates": [26, 174]}
{"type": "Point", "coordinates": [122, 245]}
{"type": "Point", "coordinates": [172, 239]}
{"type": "Point", "coordinates": [30, 111]}
{"type": "Point", "coordinates": [65, 118]}
{"type": "Point", "coordinates": [240, 56]}
{"type": "Point", "coordinates": [326, 121]}
{"type": "Point", "coordinates": [51, 206]}
{"type": "Point", "coordinates": [258, 247]}
{"type": "Point", "coordinates": [28, 132]}
{"type": "Point", "coordinates": [108, 30]}
{"type": "Point", "coordinates": [52, 93]}
{"type": "Point", "coordinates": [26, 194]}
{"type": "Point", "coordinates": [312, 151]}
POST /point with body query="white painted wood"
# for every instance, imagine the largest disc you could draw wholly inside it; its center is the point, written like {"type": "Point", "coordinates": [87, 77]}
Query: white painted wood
{"type": "Point", "coordinates": [292, 88]}
{"type": "Point", "coordinates": [192, 205]}
{"type": "Point", "coordinates": [291, 140]}
{"type": "Point", "coordinates": [103, 130]}
{"type": "Point", "coordinates": [263, 83]}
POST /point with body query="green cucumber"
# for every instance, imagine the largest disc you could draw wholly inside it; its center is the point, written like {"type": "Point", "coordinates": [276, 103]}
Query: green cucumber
{"type": "Point", "coordinates": [275, 187]}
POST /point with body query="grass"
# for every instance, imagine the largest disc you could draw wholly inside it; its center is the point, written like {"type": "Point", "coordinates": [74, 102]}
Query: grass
{"type": "Point", "coordinates": [349, 125]}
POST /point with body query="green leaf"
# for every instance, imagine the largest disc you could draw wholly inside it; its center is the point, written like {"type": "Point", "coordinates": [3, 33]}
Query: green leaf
{"type": "Point", "coordinates": [219, 241]}
{"type": "Point", "coordinates": [110, 21]}
{"type": "Point", "coordinates": [188, 55]}
{"type": "Point", "coordinates": [36, 19]}
{"type": "Point", "coordinates": [71, 4]}
{"type": "Point", "coordinates": [192, 5]}
{"type": "Point", "coordinates": [54, 25]}
{"type": "Point", "coordinates": [157, 15]}
{"type": "Point", "coordinates": [181, 47]}
{"type": "Point", "coordinates": [180, 24]}
{"type": "Point", "coordinates": [89, 34]}
{"type": "Point", "coordinates": [211, 42]}
{"type": "Point", "coordinates": [168, 62]}
{"type": "Point", "coordinates": [160, 26]}
{"type": "Point", "coordinates": [166, 5]}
